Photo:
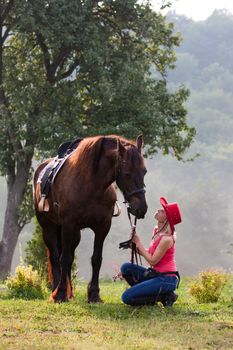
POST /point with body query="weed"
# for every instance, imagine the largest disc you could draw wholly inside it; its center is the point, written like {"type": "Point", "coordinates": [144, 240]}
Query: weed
{"type": "Point", "coordinates": [26, 284]}
{"type": "Point", "coordinates": [208, 287]}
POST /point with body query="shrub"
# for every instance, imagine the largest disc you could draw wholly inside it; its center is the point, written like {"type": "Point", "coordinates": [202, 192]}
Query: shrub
{"type": "Point", "coordinates": [36, 252]}
{"type": "Point", "coordinates": [208, 288]}
{"type": "Point", "coordinates": [26, 284]}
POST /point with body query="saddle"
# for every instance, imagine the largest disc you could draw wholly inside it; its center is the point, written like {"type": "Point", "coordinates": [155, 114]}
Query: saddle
{"type": "Point", "coordinates": [50, 171]}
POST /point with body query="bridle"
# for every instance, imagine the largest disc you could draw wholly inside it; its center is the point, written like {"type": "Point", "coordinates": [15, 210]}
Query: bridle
{"type": "Point", "coordinates": [117, 176]}
{"type": "Point", "coordinates": [129, 243]}
{"type": "Point", "coordinates": [140, 190]}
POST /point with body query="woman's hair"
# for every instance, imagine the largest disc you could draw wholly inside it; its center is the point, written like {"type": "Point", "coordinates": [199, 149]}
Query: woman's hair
{"type": "Point", "coordinates": [167, 230]}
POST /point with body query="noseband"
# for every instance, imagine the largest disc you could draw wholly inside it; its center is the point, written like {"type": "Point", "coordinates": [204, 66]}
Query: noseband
{"type": "Point", "coordinates": [140, 190]}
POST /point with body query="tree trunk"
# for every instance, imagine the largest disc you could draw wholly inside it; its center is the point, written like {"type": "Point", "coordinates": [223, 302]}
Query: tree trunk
{"type": "Point", "coordinates": [11, 232]}
{"type": "Point", "coordinates": [16, 185]}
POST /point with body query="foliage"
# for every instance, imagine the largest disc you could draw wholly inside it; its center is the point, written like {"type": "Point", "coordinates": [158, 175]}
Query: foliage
{"type": "Point", "coordinates": [209, 286]}
{"type": "Point", "coordinates": [35, 252]}
{"type": "Point", "coordinates": [26, 284]}
{"type": "Point", "coordinates": [75, 68]}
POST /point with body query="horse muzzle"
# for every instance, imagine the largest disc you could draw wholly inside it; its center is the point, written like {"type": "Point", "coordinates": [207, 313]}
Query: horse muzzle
{"type": "Point", "coordinates": [138, 213]}
{"type": "Point", "coordinates": [138, 208]}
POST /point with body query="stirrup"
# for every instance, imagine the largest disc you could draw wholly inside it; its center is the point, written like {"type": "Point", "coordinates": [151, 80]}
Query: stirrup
{"type": "Point", "coordinates": [41, 203]}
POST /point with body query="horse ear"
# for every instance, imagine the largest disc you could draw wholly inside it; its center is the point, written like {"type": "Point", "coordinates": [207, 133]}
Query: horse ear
{"type": "Point", "coordinates": [139, 143]}
{"type": "Point", "coordinates": [97, 152]}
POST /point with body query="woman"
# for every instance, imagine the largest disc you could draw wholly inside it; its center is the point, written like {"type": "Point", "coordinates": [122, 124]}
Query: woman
{"type": "Point", "coordinates": [157, 283]}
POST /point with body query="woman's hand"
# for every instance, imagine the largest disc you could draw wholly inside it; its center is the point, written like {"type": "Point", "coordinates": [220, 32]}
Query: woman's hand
{"type": "Point", "coordinates": [136, 239]}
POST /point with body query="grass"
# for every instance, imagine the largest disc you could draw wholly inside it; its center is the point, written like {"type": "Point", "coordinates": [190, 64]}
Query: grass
{"type": "Point", "coordinates": [78, 325]}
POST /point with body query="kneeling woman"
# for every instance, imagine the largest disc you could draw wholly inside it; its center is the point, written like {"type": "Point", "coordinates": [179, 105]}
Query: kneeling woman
{"type": "Point", "coordinates": [157, 283]}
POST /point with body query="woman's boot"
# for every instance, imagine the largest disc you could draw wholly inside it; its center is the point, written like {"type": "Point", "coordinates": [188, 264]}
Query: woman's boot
{"type": "Point", "coordinates": [168, 299]}
{"type": "Point", "coordinates": [146, 300]}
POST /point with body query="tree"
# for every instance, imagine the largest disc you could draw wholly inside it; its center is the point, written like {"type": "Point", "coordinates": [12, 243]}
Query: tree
{"type": "Point", "coordinates": [77, 68]}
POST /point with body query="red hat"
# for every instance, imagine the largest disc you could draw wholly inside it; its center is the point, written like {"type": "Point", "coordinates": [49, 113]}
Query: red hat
{"type": "Point", "coordinates": [172, 211]}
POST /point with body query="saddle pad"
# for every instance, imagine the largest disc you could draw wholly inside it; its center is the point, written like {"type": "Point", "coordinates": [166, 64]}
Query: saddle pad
{"type": "Point", "coordinates": [49, 173]}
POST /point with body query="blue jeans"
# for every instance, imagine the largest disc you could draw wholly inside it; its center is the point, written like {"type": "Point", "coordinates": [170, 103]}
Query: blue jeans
{"type": "Point", "coordinates": [142, 287]}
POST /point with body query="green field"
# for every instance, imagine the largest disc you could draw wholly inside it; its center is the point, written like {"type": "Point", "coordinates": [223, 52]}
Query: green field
{"type": "Point", "coordinates": [112, 325]}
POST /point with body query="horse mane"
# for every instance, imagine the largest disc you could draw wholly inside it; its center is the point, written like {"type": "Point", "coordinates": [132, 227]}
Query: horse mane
{"type": "Point", "coordinates": [87, 154]}
{"type": "Point", "coordinates": [90, 150]}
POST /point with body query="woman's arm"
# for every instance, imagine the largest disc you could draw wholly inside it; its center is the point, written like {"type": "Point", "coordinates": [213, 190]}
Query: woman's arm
{"type": "Point", "coordinates": [165, 243]}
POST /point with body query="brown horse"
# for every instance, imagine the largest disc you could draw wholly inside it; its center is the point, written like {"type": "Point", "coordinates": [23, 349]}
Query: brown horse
{"type": "Point", "coordinates": [83, 195]}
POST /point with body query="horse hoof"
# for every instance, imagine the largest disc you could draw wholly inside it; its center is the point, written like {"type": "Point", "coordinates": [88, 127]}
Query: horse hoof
{"type": "Point", "coordinates": [60, 299]}
{"type": "Point", "coordinates": [93, 294]}
{"type": "Point", "coordinates": [51, 298]}
{"type": "Point", "coordinates": [95, 300]}
{"type": "Point", "coordinates": [58, 296]}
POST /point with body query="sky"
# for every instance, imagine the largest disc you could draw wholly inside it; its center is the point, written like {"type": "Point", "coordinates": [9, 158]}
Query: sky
{"type": "Point", "coordinates": [196, 9]}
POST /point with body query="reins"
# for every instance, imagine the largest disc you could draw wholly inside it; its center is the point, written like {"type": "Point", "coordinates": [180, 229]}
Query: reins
{"type": "Point", "coordinates": [129, 243]}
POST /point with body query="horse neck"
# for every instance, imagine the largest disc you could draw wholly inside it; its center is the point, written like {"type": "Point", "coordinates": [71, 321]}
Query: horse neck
{"type": "Point", "coordinates": [98, 179]}
{"type": "Point", "coordinates": [106, 175]}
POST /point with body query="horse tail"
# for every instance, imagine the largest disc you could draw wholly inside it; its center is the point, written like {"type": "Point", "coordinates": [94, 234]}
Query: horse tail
{"type": "Point", "coordinates": [49, 267]}
{"type": "Point", "coordinates": [34, 183]}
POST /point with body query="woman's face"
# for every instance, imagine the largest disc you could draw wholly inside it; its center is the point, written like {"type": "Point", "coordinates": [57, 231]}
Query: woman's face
{"type": "Point", "coordinates": [160, 215]}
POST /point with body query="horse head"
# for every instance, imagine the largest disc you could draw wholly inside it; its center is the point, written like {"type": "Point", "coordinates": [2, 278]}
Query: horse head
{"type": "Point", "coordinates": [130, 176]}
{"type": "Point", "coordinates": [106, 159]}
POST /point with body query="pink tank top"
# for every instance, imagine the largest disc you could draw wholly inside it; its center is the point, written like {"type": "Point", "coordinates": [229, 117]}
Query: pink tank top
{"type": "Point", "coordinates": [167, 262]}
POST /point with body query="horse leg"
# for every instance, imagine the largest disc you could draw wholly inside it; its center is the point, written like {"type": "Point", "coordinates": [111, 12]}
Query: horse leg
{"type": "Point", "coordinates": [51, 236]}
{"type": "Point", "coordinates": [68, 243]}
{"type": "Point", "coordinates": [75, 243]}
{"type": "Point", "coordinates": [96, 261]}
